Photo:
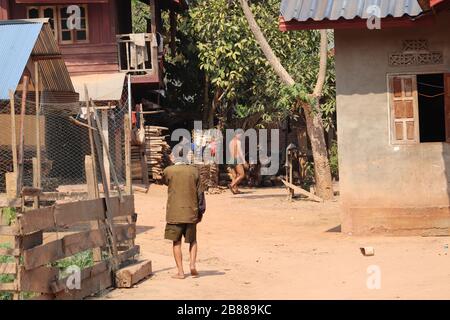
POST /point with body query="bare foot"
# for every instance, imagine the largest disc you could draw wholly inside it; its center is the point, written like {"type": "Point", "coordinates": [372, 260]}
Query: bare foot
{"type": "Point", "coordinates": [194, 273]}
{"type": "Point", "coordinates": [178, 276]}
{"type": "Point", "coordinates": [231, 189]}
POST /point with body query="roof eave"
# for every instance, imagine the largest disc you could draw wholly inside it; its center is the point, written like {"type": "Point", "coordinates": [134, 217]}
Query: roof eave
{"type": "Point", "coordinates": [358, 23]}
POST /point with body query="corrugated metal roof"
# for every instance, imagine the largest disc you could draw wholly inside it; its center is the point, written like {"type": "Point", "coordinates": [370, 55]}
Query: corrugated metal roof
{"type": "Point", "coordinates": [17, 40]}
{"type": "Point", "coordinates": [317, 10]}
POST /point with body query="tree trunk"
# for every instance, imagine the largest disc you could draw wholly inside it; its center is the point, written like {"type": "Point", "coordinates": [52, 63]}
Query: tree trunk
{"type": "Point", "coordinates": [212, 111]}
{"type": "Point", "coordinates": [313, 118]}
{"type": "Point", "coordinates": [206, 105]}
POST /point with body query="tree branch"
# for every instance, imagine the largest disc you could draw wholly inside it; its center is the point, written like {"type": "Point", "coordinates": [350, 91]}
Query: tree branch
{"type": "Point", "coordinates": [323, 64]}
{"type": "Point", "coordinates": [267, 50]}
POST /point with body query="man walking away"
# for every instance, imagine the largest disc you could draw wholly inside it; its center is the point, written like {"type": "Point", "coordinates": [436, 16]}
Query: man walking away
{"type": "Point", "coordinates": [185, 209]}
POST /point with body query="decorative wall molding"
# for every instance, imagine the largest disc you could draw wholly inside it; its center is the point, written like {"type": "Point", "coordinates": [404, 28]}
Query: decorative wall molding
{"type": "Point", "coordinates": [416, 53]}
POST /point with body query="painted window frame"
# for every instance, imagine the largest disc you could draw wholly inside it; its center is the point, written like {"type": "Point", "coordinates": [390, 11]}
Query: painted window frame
{"type": "Point", "coordinates": [391, 116]}
{"type": "Point", "coordinates": [73, 32]}
{"type": "Point", "coordinates": [41, 10]}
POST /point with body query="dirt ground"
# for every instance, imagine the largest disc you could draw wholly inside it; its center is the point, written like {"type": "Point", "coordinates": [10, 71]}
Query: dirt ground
{"type": "Point", "coordinates": [259, 246]}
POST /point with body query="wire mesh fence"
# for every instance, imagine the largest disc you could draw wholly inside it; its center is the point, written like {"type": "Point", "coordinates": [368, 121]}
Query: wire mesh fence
{"type": "Point", "coordinates": [63, 139]}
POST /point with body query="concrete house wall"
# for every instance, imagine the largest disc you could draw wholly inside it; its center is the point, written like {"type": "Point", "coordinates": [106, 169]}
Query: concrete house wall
{"type": "Point", "coordinates": [386, 188]}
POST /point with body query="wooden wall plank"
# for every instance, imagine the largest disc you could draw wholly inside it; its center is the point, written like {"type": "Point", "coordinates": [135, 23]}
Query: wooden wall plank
{"type": "Point", "coordinates": [8, 268]}
{"type": "Point", "coordinates": [130, 275]}
{"type": "Point", "coordinates": [71, 213]}
{"type": "Point", "coordinates": [8, 231]}
{"type": "Point", "coordinates": [31, 240]}
{"type": "Point", "coordinates": [43, 254]}
{"type": "Point", "coordinates": [61, 285]}
{"type": "Point", "coordinates": [38, 280]}
{"type": "Point", "coordinates": [9, 252]}
{"type": "Point", "coordinates": [8, 286]}
{"type": "Point", "coordinates": [72, 244]}
{"type": "Point", "coordinates": [65, 247]}
{"type": "Point", "coordinates": [89, 287]}
{"type": "Point", "coordinates": [125, 232]}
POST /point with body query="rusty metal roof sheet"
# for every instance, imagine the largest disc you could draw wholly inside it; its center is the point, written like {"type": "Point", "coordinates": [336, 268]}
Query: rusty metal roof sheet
{"type": "Point", "coordinates": [317, 10]}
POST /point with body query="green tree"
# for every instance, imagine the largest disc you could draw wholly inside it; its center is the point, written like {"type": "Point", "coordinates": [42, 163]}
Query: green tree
{"type": "Point", "coordinates": [270, 83]}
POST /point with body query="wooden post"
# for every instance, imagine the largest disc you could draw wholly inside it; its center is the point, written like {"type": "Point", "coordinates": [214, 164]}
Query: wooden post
{"type": "Point", "coordinates": [22, 132]}
{"type": "Point", "coordinates": [109, 213]}
{"type": "Point", "coordinates": [105, 133]}
{"type": "Point", "coordinates": [13, 132]}
{"type": "Point", "coordinates": [93, 193]}
{"type": "Point", "coordinates": [91, 138]}
{"type": "Point", "coordinates": [155, 56]}
{"type": "Point", "coordinates": [92, 187]}
{"type": "Point", "coordinates": [107, 154]}
{"type": "Point", "coordinates": [37, 174]}
{"type": "Point", "coordinates": [143, 153]}
{"type": "Point", "coordinates": [153, 16]}
{"type": "Point", "coordinates": [291, 180]}
{"type": "Point", "coordinates": [127, 141]}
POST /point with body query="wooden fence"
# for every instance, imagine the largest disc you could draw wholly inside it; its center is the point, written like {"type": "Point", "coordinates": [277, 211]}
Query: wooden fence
{"type": "Point", "coordinates": [41, 237]}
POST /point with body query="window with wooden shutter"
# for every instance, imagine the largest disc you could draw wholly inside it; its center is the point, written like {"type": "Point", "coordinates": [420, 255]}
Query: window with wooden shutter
{"type": "Point", "coordinates": [447, 105]}
{"type": "Point", "coordinates": [404, 109]}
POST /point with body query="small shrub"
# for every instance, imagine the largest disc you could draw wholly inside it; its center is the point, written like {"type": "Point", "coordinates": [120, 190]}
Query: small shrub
{"type": "Point", "coordinates": [9, 215]}
{"type": "Point", "coordinates": [334, 162]}
{"type": "Point", "coordinates": [6, 278]}
{"type": "Point", "coordinates": [82, 260]}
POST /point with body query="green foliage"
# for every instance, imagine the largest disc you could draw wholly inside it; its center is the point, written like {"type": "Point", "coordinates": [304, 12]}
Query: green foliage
{"type": "Point", "coordinates": [5, 278]}
{"type": "Point", "coordinates": [82, 260]}
{"type": "Point", "coordinates": [140, 14]}
{"type": "Point", "coordinates": [334, 163]}
{"type": "Point", "coordinates": [183, 77]}
{"type": "Point", "coordinates": [233, 60]}
{"type": "Point", "coordinates": [9, 215]}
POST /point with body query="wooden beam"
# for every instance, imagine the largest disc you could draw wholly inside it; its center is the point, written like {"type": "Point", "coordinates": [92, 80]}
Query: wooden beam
{"type": "Point", "coordinates": [130, 275]}
{"type": "Point", "coordinates": [25, 80]}
{"type": "Point", "coordinates": [105, 142]}
{"type": "Point", "coordinates": [8, 287]}
{"type": "Point", "coordinates": [31, 191]}
{"type": "Point", "coordinates": [8, 268]}
{"type": "Point", "coordinates": [61, 285]}
{"type": "Point", "coordinates": [9, 252]}
{"type": "Point", "coordinates": [67, 214]}
{"type": "Point", "coordinates": [13, 135]}
{"type": "Point", "coordinates": [37, 170]}
{"type": "Point", "coordinates": [38, 280]}
{"type": "Point", "coordinates": [112, 246]}
{"type": "Point", "coordinates": [62, 248]}
{"type": "Point", "coordinates": [89, 286]}
{"type": "Point", "coordinates": [91, 138]}
{"type": "Point", "coordinates": [8, 231]}
{"type": "Point", "coordinates": [301, 191]}
{"type": "Point", "coordinates": [128, 176]}
{"type": "Point", "coordinates": [93, 193]}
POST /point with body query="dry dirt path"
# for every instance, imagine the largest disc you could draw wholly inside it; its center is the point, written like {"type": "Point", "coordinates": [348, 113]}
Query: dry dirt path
{"type": "Point", "coordinates": [258, 246]}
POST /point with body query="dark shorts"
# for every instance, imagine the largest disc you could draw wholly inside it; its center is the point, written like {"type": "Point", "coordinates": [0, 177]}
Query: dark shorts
{"type": "Point", "coordinates": [175, 232]}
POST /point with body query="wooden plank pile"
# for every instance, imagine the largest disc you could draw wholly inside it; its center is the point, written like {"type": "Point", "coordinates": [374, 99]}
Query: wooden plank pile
{"type": "Point", "coordinates": [137, 153]}
{"type": "Point", "coordinates": [158, 152]}
{"type": "Point", "coordinates": [209, 175]}
{"type": "Point", "coordinates": [68, 231]}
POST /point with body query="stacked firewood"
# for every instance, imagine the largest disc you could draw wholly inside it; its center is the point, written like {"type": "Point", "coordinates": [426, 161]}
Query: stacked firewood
{"type": "Point", "coordinates": [209, 175]}
{"type": "Point", "coordinates": [158, 152]}
{"type": "Point", "coordinates": [136, 163]}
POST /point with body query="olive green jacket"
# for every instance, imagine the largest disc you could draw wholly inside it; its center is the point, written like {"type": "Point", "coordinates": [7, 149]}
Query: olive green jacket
{"type": "Point", "coordinates": [184, 194]}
